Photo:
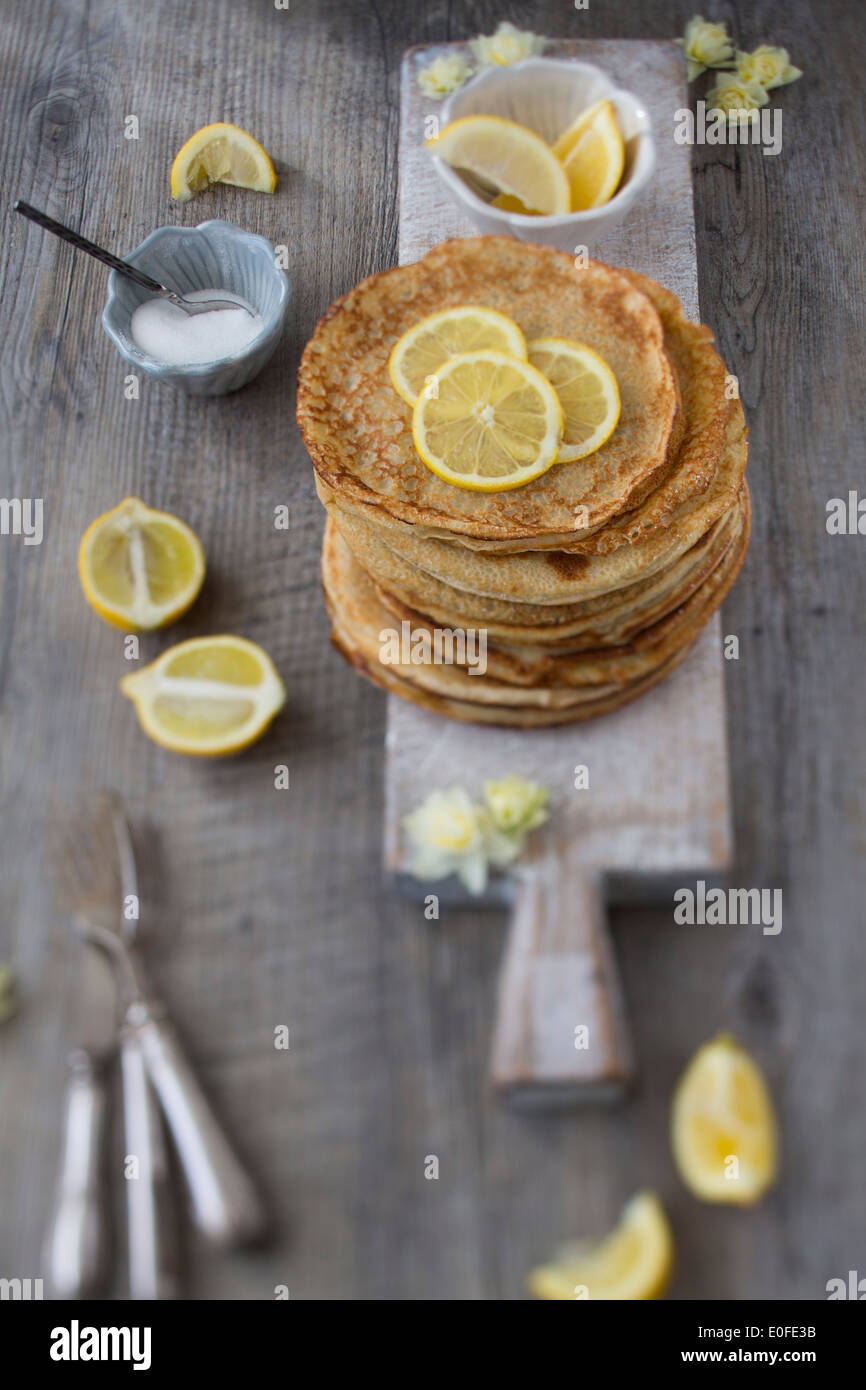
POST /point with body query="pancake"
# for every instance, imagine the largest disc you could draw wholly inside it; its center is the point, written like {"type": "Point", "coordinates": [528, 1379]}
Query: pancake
{"type": "Point", "coordinates": [609, 620]}
{"type": "Point", "coordinates": [702, 485]}
{"type": "Point", "coordinates": [506, 716]}
{"type": "Point", "coordinates": [512, 713]}
{"type": "Point", "coordinates": [358, 430]}
{"type": "Point", "coordinates": [529, 665]}
{"type": "Point", "coordinates": [556, 576]}
{"type": "Point", "coordinates": [520, 676]}
{"type": "Point", "coordinates": [588, 585]}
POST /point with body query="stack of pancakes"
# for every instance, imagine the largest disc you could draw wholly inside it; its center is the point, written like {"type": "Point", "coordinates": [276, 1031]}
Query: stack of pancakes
{"type": "Point", "coordinates": [590, 583]}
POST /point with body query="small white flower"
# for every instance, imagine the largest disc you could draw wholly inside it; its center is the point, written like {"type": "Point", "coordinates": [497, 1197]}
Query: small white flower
{"type": "Point", "coordinates": [443, 75]}
{"type": "Point", "coordinates": [736, 97]}
{"type": "Point", "coordinates": [516, 805]}
{"type": "Point", "coordinates": [447, 836]}
{"type": "Point", "coordinates": [450, 834]}
{"type": "Point", "coordinates": [705, 46]}
{"type": "Point", "coordinates": [508, 45]}
{"type": "Point", "coordinates": [767, 66]}
{"type": "Point", "coordinates": [501, 848]}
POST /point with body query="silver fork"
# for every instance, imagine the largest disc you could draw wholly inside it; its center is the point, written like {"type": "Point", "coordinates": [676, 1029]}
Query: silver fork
{"type": "Point", "coordinates": [90, 856]}
{"type": "Point", "coordinates": [189, 306]}
{"type": "Point", "coordinates": [224, 1202]}
{"type": "Point", "coordinates": [151, 1239]}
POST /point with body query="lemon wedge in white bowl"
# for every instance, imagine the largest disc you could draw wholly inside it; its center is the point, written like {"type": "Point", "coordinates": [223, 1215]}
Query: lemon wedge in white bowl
{"type": "Point", "coordinates": [548, 96]}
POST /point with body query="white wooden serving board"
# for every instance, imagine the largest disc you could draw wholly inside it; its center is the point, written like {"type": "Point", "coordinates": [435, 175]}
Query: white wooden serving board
{"type": "Point", "coordinates": [657, 807]}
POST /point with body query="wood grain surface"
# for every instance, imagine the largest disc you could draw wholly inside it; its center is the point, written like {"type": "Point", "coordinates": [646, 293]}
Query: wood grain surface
{"type": "Point", "coordinates": [266, 907]}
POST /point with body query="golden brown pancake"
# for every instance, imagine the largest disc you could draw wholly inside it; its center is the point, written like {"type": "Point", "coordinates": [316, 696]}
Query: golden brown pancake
{"type": "Point", "coordinates": [580, 611]}
{"type": "Point", "coordinates": [519, 676]}
{"type": "Point", "coordinates": [608, 620]}
{"type": "Point", "coordinates": [508, 716]}
{"type": "Point", "coordinates": [358, 430]}
{"type": "Point", "coordinates": [702, 381]}
{"type": "Point", "coordinates": [537, 665]}
{"type": "Point", "coordinates": [556, 576]}
{"type": "Point", "coordinates": [701, 487]}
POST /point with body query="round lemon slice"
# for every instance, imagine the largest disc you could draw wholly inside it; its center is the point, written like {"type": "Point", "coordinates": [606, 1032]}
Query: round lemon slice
{"type": "Point", "coordinates": [140, 569]}
{"type": "Point", "coordinates": [593, 157]}
{"type": "Point", "coordinates": [507, 156]}
{"type": "Point", "coordinates": [467, 328]}
{"type": "Point", "coordinates": [221, 153]}
{"type": "Point", "coordinates": [488, 422]}
{"type": "Point", "coordinates": [723, 1129]}
{"type": "Point", "coordinates": [587, 392]}
{"type": "Point", "coordinates": [206, 697]}
{"type": "Point", "coordinates": [633, 1262]}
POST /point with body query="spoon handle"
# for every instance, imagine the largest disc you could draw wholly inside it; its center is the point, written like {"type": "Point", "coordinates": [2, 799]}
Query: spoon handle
{"type": "Point", "coordinates": [82, 244]}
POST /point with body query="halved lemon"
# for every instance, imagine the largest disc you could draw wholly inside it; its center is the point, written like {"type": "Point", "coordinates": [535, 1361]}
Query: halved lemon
{"type": "Point", "coordinates": [208, 697]}
{"type": "Point", "coordinates": [587, 392]}
{"type": "Point", "coordinates": [593, 157]}
{"type": "Point", "coordinates": [487, 421]}
{"type": "Point", "coordinates": [723, 1129]}
{"type": "Point", "coordinates": [633, 1263]}
{"type": "Point", "coordinates": [221, 153]}
{"type": "Point", "coordinates": [507, 156]}
{"type": "Point", "coordinates": [421, 350]}
{"type": "Point", "coordinates": [140, 569]}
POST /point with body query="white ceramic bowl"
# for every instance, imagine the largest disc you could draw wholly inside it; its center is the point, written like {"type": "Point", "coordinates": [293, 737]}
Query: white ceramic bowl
{"type": "Point", "coordinates": [547, 95]}
{"type": "Point", "coordinates": [214, 255]}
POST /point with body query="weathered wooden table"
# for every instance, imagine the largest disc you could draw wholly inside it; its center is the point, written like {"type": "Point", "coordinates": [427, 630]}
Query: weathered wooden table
{"type": "Point", "coordinates": [267, 905]}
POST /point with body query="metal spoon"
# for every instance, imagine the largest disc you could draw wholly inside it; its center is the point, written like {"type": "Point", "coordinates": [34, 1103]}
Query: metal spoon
{"type": "Point", "coordinates": [189, 306]}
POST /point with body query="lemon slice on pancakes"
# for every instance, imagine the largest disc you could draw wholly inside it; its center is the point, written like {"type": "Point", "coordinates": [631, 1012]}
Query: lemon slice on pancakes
{"type": "Point", "coordinates": [633, 1262]}
{"type": "Point", "coordinates": [587, 392]}
{"type": "Point", "coordinates": [488, 422]}
{"type": "Point", "coordinates": [723, 1128]}
{"type": "Point", "coordinates": [207, 697]}
{"type": "Point", "coordinates": [221, 153]}
{"type": "Point", "coordinates": [508, 157]}
{"type": "Point", "coordinates": [140, 569]}
{"type": "Point", "coordinates": [466, 328]}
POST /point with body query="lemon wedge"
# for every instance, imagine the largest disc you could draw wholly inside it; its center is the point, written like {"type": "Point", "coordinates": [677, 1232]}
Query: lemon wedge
{"type": "Point", "coordinates": [487, 421]}
{"type": "Point", "coordinates": [140, 569]}
{"type": "Point", "coordinates": [221, 153]}
{"type": "Point", "coordinates": [587, 392]}
{"type": "Point", "coordinates": [507, 156]}
{"type": "Point", "coordinates": [633, 1262]}
{"type": "Point", "coordinates": [508, 203]}
{"type": "Point", "coordinates": [723, 1129]}
{"type": "Point", "coordinates": [593, 157]}
{"type": "Point", "coordinates": [421, 350]}
{"type": "Point", "coordinates": [206, 697]}
{"type": "Point", "coordinates": [563, 147]}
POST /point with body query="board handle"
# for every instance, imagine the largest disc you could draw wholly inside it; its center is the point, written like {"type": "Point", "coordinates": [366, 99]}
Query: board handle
{"type": "Point", "coordinates": [561, 1035]}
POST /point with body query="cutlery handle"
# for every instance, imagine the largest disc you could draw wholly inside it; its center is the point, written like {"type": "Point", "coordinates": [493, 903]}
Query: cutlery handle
{"type": "Point", "coordinates": [151, 1243]}
{"type": "Point", "coordinates": [82, 244]}
{"type": "Point", "coordinates": [225, 1206]}
{"type": "Point", "coordinates": [77, 1246]}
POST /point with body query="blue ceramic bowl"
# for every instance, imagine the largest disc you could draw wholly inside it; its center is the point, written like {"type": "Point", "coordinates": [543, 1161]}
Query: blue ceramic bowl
{"type": "Point", "coordinates": [214, 255]}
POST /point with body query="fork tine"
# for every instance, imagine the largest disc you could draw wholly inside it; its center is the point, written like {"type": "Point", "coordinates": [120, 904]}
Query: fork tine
{"type": "Point", "coordinates": [82, 857]}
